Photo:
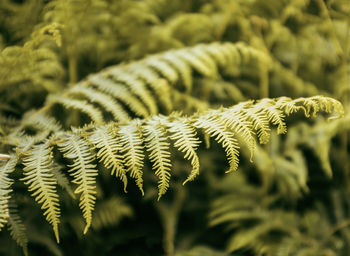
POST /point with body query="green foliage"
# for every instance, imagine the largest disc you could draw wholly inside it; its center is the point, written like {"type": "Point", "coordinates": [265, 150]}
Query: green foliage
{"type": "Point", "coordinates": [161, 91]}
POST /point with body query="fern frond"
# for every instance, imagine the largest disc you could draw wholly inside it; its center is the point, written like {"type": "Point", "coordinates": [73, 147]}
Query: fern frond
{"type": "Point", "coordinates": [158, 146]}
{"type": "Point", "coordinates": [159, 85]}
{"type": "Point", "coordinates": [197, 62]}
{"type": "Point", "coordinates": [80, 105]}
{"type": "Point", "coordinates": [183, 135]}
{"type": "Point", "coordinates": [41, 182]}
{"type": "Point", "coordinates": [182, 68]}
{"type": "Point", "coordinates": [139, 86]}
{"type": "Point", "coordinates": [40, 121]}
{"type": "Point", "coordinates": [109, 149]}
{"type": "Point", "coordinates": [136, 86]}
{"type": "Point", "coordinates": [108, 103]}
{"type": "Point", "coordinates": [5, 188]}
{"type": "Point", "coordinates": [274, 114]}
{"type": "Point", "coordinates": [132, 148]}
{"type": "Point", "coordinates": [218, 54]}
{"type": "Point", "coordinates": [163, 67]}
{"type": "Point", "coordinates": [83, 171]}
{"type": "Point", "coordinates": [216, 128]}
{"type": "Point", "coordinates": [312, 106]}
{"type": "Point", "coordinates": [119, 92]}
{"type": "Point", "coordinates": [17, 229]}
{"type": "Point", "coordinates": [238, 121]}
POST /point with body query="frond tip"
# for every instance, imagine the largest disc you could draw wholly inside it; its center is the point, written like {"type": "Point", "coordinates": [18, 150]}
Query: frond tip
{"type": "Point", "coordinates": [183, 135]}
{"type": "Point", "coordinates": [39, 178]}
{"type": "Point", "coordinates": [5, 189]}
{"type": "Point", "coordinates": [108, 149]}
{"type": "Point", "coordinates": [83, 171]}
{"type": "Point", "coordinates": [159, 147]}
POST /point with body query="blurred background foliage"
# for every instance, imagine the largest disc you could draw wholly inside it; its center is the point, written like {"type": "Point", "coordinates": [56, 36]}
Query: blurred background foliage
{"type": "Point", "coordinates": [292, 200]}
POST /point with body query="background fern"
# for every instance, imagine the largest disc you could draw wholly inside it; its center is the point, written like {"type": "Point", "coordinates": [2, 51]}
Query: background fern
{"type": "Point", "coordinates": [117, 71]}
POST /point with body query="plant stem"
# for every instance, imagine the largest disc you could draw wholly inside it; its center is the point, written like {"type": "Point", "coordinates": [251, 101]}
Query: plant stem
{"type": "Point", "coordinates": [72, 66]}
{"type": "Point", "coordinates": [169, 216]}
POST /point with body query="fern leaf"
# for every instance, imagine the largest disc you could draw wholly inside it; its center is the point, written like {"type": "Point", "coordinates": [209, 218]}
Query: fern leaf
{"type": "Point", "coordinates": [119, 92]}
{"type": "Point", "coordinates": [160, 86]}
{"type": "Point", "coordinates": [311, 105]}
{"type": "Point", "coordinates": [17, 229]}
{"type": "Point", "coordinates": [216, 128]}
{"type": "Point", "coordinates": [249, 54]}
{"type": "Point", "coordinates": [182, 68]}
{"type": "Point", "coordinates": [200, 52]}
{"type": "Point", "coordinates": [196, 63]}
{"type": "Point", "coordinates": [38, 176]}
{"type": "Point", "coordinates": [104, 100]}
{"type": "Point", "coordinates": [216, 53]}
{"type": "Point", "coordinates": [136, 86]}
{"type": "Point", "coordinates": [163, 68]}
{"type": "Point", "coordinates": [5, 188]}
{"type": "Point", "coordinates": [158, 146]}
{"type": "Point", "coordinates": [238, 121]}
{"type": "Point", "coordinates": [183, 134]}
{"type": "Point", "coordinates": [83, 171]}
{"type": "Point", "coordinates": [232, 54]}
{"type": "Point", "coordinates": [274, 114]}
{"type": "Point", "coordinates": [260, 122]}
{"type": "Point", "coordinates": [132, 148]}
{"type": "Point", "coordinates": [80, 105]}
{"type": "Point", "coordinates": [40, 121]}
{"type": "Point", "coordinates": [108, 149]}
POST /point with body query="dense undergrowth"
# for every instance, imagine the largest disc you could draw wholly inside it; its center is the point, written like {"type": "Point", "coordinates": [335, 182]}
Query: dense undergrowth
{"type": "Point", "coordinates": [232, 113]}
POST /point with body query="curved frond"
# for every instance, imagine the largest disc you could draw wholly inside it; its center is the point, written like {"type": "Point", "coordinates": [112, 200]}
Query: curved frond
{"type": "Point", "coordinates": [38, 176]}
{"type": "Point", "coordinates": [83, 171]}
{"type": "Point", "coordinates": [40, 121]}
{"type": "Point", "coordinates": [132, 148]}
{"type": "Point", "coordinates": [159, 85]}
{"type": "Point", "coordinates": [182, 68]}
{"type": "Point", "coordinates": [80, 105]}
{"type": "Point", "coordinates": [163, 67]}
{"type": "Point", "coordinates": [185, 140]}
{"type": "Point", "coordinates": [136, 86]}
{"type": "Point", "coordinates": [273, 113]}
{"type": "Point", "coordinates": [158, 146]}
{"type": "Point", "coordinates": [109, 147]}
{"type": "Point", "coordinates": [5, 188]}
{"type": "Point", "coordinates": [106, 101]}
{"type": "Point", "coordinates": [238, 121]}
{"type": "Point", "coordinates": [196, 62]}
{"type": "Point", "coordinates": [216, 128]}
{"type": "Point", "coordinates": [119, 92]}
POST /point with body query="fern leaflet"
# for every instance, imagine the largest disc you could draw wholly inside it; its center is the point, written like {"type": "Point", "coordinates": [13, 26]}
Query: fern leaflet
{"type": "Point", "coordinates": [183, 135]}
{"type": "Point", "coordinates": [108, 148]}
{"type": "Point", "coordinates": [39, 178]}
{"type": "Point", "coordinates": [158, 146]}
{"type": "Point", "coordinates": [83, 171]}
{"type": "Point", "coordinates": [5, 189]}
{"type": "Point", "coordinates": [132, 148]}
